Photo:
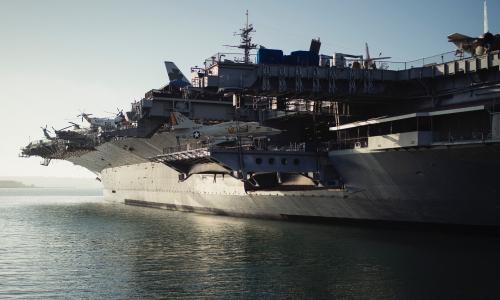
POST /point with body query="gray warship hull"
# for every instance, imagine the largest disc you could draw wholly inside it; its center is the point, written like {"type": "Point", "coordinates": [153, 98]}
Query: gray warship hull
{"type": "Point", "coordinates": [442, 184]}
{"type": "Point", "coordinates": [418, 144]}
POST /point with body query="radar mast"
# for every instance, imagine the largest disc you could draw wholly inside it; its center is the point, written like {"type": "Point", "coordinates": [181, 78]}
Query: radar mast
{"type": "Point", "coordinates": [246, 40]}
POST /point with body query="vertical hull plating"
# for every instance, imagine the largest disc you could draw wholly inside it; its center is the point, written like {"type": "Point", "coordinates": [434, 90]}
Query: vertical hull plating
{"type": "Point", "coordinates": [446, 185]}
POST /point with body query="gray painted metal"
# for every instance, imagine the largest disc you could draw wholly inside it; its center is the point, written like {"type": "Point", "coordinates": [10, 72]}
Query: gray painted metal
{"type": "Point", "coordinates": [242, 76]}
{"type": "Point", "coordinates": [454, 185]}
{"type": "Point", "coordinates": [442, 184]}
{"type": "Point", "coordinates": [267, 161]}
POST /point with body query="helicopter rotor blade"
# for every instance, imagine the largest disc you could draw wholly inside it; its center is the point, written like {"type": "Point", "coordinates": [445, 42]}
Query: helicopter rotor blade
{"type": "Point", "coordinates": [65, 128]}
{"type": "Point", "coordinates": [381, 58]}
{"type": "Point", "coordinates": [44, 129]}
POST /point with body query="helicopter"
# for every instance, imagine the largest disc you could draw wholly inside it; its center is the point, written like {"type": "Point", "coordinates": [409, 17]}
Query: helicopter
{"type": "Point", "coordinates": [104, 123]}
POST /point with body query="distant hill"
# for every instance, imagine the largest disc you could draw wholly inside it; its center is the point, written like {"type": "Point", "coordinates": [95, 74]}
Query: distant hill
{"type": "Point", "coordinates": [14, 184]}
{"type": "Point", "coordinates": [53, 182]}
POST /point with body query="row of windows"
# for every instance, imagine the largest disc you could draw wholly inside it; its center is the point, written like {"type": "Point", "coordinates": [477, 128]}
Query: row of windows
{"type": "Point", "coordinates": [271, 161]}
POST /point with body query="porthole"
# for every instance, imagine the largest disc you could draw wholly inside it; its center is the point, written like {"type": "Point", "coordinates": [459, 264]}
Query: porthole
{"type": "Point", "coordinates": [271, 161]}
{"type": "Point", "coordinates": [258, 160]}
{"type": "Point", "coordinates": [284, 161]}
{"type": "Point", "coordinates": [296, 161]}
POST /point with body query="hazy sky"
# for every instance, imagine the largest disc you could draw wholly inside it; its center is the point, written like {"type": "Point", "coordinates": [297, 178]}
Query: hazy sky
{"type": "Point", "coordinates": [59, 57]}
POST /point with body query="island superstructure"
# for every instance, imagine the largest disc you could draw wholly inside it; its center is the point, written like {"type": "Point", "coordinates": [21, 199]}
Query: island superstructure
{"type": "Point", "coordinates": [305, 136]}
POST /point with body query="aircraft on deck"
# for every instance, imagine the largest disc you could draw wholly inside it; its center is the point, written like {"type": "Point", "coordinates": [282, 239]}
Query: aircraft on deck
{"type": "Point", "coordinates": [185, 128]}
{"type": "Point", "coordinates": [104, 123]}
{"type": "Point", "coordinates": [369, 62]}
{"type": "Point", "coordinates": [77, 133]}
{"type": "Point", "coordinates": [485, 43]}
{"type": "Point", "coordinates": [177, 79]}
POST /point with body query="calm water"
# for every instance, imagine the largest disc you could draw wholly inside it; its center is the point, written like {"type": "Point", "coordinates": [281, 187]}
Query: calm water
{"type": "Point", "coordinates": [78, 246]}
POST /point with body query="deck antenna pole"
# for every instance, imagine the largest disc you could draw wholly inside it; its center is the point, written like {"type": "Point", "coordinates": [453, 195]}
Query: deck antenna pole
{"type": "Point", "coordinates": [485, 18]}
{"type": "Point", "coordinates": [246, 40]}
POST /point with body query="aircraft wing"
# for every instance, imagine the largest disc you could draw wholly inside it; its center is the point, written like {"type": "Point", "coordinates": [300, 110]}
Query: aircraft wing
{"type": "Point", "coordinates": [458, 37]}
{"type": "Point", "coordinates": [463, 42]}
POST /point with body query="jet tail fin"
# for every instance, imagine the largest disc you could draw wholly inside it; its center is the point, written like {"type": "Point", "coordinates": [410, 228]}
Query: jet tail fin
{"type": "Point", "coordinates": [180, 121]}
{"type": "Point", "coordinates": [175, 75]}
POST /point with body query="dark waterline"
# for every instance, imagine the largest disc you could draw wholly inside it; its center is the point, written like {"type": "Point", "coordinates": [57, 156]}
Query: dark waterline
{"type": "Point", "coordinates": [79, 246]}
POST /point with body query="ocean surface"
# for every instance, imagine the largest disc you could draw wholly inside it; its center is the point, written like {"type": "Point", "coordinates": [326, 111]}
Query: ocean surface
{"type": "Point", "coordinates": [71, 244]}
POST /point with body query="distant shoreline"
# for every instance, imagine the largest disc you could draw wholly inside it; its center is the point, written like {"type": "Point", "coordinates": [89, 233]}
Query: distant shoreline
{"type": "Point", "coordinates": [15, 184]}
{"type": "Point", "coordinates": [49, 182]}
{"type": "Point", "coordinates": [45, 187]}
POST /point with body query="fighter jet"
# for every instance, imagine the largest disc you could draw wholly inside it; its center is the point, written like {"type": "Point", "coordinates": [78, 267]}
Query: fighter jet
{"type": "Point", "coordinates": [485, 43]}
{"type": "Point", "coordinates": [185, 128]}
{"type": "Point", "coordinates": [369, 62]}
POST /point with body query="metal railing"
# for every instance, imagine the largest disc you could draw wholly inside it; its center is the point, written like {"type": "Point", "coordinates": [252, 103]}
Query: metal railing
{"type": "Point", "coordinates": [233, 57]}
{"type": "Point", "coordinates": [190, 147]}
{"type": "Point", "coordinates": [184, 148]}
{"type": "Point", "coordinates": [437, 137]}
{"type": "Point", "coordinates": [442, 58]}
{"type": "Point", "coordinates": [349, 143]}
{"type": "Point", "coordinates": [292, 147]}
{"type": "Point", "coordinates": [452, 137]}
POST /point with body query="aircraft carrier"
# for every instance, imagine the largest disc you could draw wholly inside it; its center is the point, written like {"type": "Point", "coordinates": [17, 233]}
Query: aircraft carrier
{"type": "Point", "coordinates": [306, 136]}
